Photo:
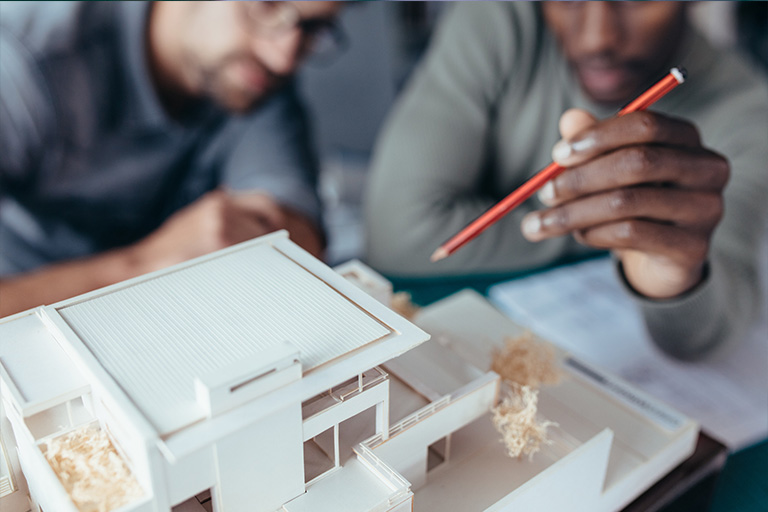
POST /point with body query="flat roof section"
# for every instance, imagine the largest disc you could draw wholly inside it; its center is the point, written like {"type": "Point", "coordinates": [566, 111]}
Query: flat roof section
{"type": "Point", "coordinates": [156, 335]}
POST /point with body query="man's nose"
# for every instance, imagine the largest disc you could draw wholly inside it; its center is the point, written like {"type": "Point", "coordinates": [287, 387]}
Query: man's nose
{"type": "Point", "coordinates": [600, 31]}
{"type": "Point", "coordinates": [281, 53]}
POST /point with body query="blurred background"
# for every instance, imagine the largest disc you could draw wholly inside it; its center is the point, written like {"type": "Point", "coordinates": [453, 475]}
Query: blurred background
{"type": "Point", "coordinates": [348, 100]}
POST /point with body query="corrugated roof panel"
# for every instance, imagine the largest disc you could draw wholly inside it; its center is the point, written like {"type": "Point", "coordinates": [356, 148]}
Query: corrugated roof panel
{"type": "Point", "coordinates": [154, 337]}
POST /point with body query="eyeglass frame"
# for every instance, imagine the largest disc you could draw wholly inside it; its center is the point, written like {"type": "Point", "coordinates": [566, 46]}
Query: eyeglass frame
{"type": "Point", "coordinates": [331, 27]}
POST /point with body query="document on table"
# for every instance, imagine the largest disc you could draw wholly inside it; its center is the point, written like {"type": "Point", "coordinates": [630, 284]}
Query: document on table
{"type": "Point", "coordinates": [583, 309]}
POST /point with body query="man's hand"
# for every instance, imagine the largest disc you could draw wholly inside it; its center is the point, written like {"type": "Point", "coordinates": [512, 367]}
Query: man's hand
{"type": "Point", "coordinates": [215, 221]}
{"type": "Point", "coordinates": [642, 186]}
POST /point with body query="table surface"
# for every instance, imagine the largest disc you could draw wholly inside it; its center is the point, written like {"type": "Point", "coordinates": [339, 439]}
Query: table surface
{"type": "Point", "coordinates": [743, 485]}
{"type": "Point", "coordinates": [711, 479]}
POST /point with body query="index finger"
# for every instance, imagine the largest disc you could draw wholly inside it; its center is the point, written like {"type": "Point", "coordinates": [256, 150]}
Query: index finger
{"type": "Point", "coordinates": [632, 129]}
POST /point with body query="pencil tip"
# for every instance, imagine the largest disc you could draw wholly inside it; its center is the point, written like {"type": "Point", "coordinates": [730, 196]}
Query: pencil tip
{"type": "Point", "coordinates": [438, 255]}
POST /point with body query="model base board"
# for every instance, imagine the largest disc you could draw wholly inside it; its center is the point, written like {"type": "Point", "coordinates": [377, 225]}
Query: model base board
{"type": "Point", "coordinates": [396, 423]}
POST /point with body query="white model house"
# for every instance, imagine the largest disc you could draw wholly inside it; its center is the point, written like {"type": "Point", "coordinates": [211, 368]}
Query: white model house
{"type": "Point", "coordinates": [262, 378]}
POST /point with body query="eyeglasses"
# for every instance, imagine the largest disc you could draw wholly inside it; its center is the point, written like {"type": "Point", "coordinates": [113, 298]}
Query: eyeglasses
{"type": "Point", "coordinates": [323, 39]}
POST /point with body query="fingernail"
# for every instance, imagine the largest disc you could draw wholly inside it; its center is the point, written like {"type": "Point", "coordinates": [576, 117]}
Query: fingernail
{"type": "Point", "coordinates": [531, 224]}
{"type": "Point", "coordinates": [547, 193]}
{"type": "Point", "coordinates": [548, 221]}
{"type": "Point", "coordinates": [582, 145]}
{"type": "Point", "coordinates": [561, 151]}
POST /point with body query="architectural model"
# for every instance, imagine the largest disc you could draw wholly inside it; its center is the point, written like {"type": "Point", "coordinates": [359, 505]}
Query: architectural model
{"type": "Point", "coordinates": [258, 379]}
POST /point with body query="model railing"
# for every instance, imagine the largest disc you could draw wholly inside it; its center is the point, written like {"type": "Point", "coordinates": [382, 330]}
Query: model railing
{"type": "Point", "coordinates": [419, 415]}
{"type": "Point", "coordinates": [432, 408]}
{"type": "Point", "coordinates": [400, 486]}
{"type": "Point", "coordinates": [343, 391]}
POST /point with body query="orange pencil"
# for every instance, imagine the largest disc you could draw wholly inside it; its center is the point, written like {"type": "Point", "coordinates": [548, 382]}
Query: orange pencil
{"type": "Point", "coordinates": [675, 77]}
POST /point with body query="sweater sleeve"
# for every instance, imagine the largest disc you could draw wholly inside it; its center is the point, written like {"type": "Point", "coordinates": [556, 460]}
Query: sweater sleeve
{"type": "Point", "coordinates": [430, 170]}
{"type": "Point", "coordinates": [731, 111]}
{"type": "Point", "coordinates": [26, 112]}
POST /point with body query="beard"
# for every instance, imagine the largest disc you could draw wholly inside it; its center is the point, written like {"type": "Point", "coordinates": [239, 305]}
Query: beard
{"type": "Point", "coordinates": [238, 83]}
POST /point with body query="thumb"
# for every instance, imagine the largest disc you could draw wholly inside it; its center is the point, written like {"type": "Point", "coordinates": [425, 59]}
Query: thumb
{"type": "Point", "coordinates": [572, 122]}
{"type": "Point", "coordinates": [575, 120]}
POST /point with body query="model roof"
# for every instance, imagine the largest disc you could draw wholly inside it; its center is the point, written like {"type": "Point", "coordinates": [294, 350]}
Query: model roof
{"type": "Point", "coordinates": [155, 335]}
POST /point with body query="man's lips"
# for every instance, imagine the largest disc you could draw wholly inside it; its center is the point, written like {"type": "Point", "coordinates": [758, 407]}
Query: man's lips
{"type": "Point", "coordinates": [604, 80]}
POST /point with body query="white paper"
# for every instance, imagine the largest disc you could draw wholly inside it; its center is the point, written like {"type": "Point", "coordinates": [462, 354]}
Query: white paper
{"type": "Point", "coordinates": [583, 309]}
